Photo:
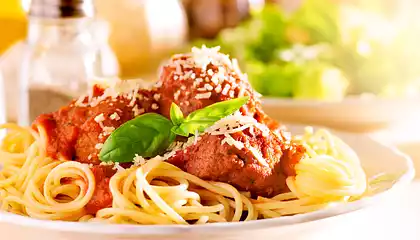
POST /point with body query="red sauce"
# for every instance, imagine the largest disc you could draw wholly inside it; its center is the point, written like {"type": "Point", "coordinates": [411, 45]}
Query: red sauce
{"type": "Point", "coordinates": [72, 133]}
{"type": "Point", "coordinates": [76, 132]}
{"type": "Point", "coordinates": [102, 198]}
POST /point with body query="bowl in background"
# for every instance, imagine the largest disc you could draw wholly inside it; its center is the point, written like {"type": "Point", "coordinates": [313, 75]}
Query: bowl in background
{"type": "Point", "coordinates": [354, 113]}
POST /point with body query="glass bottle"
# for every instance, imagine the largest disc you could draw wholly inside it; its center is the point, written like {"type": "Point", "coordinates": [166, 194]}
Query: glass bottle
{"type": "Point", "coordinates": [64, 49]}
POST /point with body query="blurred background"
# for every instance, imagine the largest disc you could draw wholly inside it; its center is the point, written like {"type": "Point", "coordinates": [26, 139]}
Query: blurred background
{"type": "Point", "coordinates": [337, 53]}
{"type": "Point", "coordinates": [318, 49]}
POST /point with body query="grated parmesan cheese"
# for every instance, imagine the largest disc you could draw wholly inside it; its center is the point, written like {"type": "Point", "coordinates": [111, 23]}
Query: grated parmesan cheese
{"type": "Point", "coordinates": [115, 116]}
{"type": "Point", "coordinates": [251, 130]}
{"type": "Point", "coordinates": [99, 146]}
{"type": "Point", "coordinates": [139, 160]}
{"type": "Point", "coordinates": [156, 96]}
{"type": "Point", "coordinates": [232, 142]}
{"type": "Point", "coordinates": [208, 87]}
{"type": "Point", "coordinates": [108, 130]}
{"type": "Point", "coordinates": [203, 95]}
{"type": "Point", "coordinates": [215, 79]}
{"type": "Point", "coordinates": [118, 167]}
{"type": "Point", "coordinates": [236, 123]}
{"type": "Point", "coordinates": [158, 84]}
{"type": "Point", "coordinates": [258, 156]}
{"type": "Point", "coordinates": [235, 66]}
{"type": "Point", "coordinates": [198, 80]}
{"type": "Point", "coordinates": [231, 94]}
{"type": "Point", "coordinates": [226, 89]}
{"type": "Point", "coordinates": [137, 111]}
{"type": "Point", "coordinates": [204, 56]}
{"type": "Point", "coordinates": [100, 118]}
{"type": "Point", "coordinates": [188, 74]}
{"type": "Point", "coordinates": [106, 163]}
{"type": "Point", "coordinates": [80, 102]}
{"type": "Point", "coordinates": [218, 89]}
{"type": "Point", "coordinates": [176, 95]}
{"type": "Point", "coordinates": [196, 137]}
{"type": "Point", "coordinates": [241, 92]}
{"type": "Point", "coordinates": [155, 106]}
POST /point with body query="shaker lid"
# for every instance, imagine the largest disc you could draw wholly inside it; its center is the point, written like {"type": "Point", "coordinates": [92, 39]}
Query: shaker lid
{"type": "Point", "coordinates": [61, 8]}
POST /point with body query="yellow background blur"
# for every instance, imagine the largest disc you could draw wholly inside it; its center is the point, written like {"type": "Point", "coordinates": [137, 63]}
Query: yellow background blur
{"type": "Point", "coordinates": [12, 23]}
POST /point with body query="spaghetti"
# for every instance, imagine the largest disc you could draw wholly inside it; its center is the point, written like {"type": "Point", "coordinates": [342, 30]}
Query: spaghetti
{"type": "Point", "coordinates": [156, 192]}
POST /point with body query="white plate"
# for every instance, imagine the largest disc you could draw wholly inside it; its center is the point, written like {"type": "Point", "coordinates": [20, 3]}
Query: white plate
{"type": "Point", "coordinates": [375, 157]}
{"type": "Point", "coordinates": [352, 113]}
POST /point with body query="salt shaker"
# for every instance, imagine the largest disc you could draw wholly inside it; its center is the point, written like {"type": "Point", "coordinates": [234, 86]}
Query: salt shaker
{"type": "Point", "coordinates": [64, 49]}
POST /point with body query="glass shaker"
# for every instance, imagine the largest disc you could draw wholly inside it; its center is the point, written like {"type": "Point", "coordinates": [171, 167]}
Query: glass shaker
{"type": "Point", "coordinates": [64, 49]}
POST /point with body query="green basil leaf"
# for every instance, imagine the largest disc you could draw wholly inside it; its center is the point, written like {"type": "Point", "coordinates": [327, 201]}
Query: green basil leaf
{"type": "Point", "coordinates": [177, 130]}
{"type": "Point", "coordinates": [203, 118]}
{"type": "Point", "coordinates": [147, 135]}
{"type": "Point", "coordinates": [177, 117]}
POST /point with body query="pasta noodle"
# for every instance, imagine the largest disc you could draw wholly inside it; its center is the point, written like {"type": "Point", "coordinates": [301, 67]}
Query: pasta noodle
{"type": "Point", "coordinates": [157, 192]}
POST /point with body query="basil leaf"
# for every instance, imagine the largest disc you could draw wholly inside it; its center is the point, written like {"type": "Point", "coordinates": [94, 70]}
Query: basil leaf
{"type": "Point", "coordinates": [177, 117]}
{"type": "Point", "coordinates": [179, 131]}
{"type": "Point", "coordinates": [201, 119]}
{"type": "Point", "coordinates": [147, 135]}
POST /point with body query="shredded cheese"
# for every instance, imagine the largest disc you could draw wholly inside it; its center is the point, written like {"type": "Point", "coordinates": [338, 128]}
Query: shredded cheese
{"type": "Point", "coordinates": [106, 163]}
{"type": "Point", "coordinates": [80, 102]}
{"type": "Point", "coordinates": [258, 156]}
{"type": "Point", "coordinates": [155, 106]}
{"type": "Point", "coordinates": [118, 167]}
{"type": "Point", "coordinates": [226, 89]}
{"type": "Point", "coordinates": [139, 160]}
{"type": "Point", "coordinates": [203, 95]}
{"type": "Point", "coordinates": [176, 95]}
{"type": "Point", "coordinates": [108, 130]}
{"type": "Point", "coordinates": [99, 146]}
{"type": "Point", "coordinates": [208, 87]}
{"type": "Point", "coordinates": [235, 123]}
{"type": "Point", "coordinates": [196, 137]}
{"type": "Point", "coordinates": [99, 118]}
{"type": "Point", "coordinates": [232, 142]}
{"type": "Point", "coordinates": [218, 89]}
{"type": "Point", "coordinates": [115, 116]}
{"type": "Point", "coordinates": [231, 94]}
{"type": "Point", "coordinates": [241, 92]}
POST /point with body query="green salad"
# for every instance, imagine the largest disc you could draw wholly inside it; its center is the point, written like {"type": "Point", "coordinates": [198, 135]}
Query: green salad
{"type": "Point", "coordinates": [324, 51]}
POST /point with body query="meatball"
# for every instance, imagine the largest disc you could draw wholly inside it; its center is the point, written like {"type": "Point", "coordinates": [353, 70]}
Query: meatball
{"type": "Point", "coordinates": [77, 132]}
{"type": "Point", "coordinates": [201, 78]}
{"type": "Point", "coordinates": [258, 162]}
